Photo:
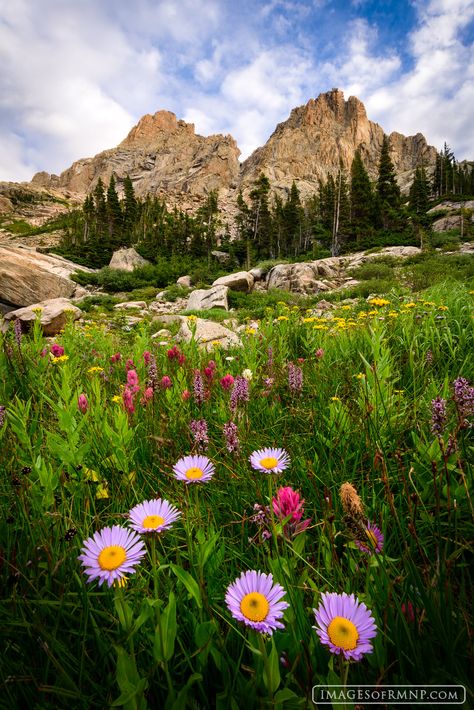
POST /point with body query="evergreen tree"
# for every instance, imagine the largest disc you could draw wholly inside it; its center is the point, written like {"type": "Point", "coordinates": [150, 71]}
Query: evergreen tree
{"type": "Point", "coordinates": [419, 193]}
{"type": "Point", "coordinates": [362, 198]}
{"type": "Point", "coordinates": [341, 213]}
{"type": "Point", "coordinates": [100, 243]}
{"type": "Point", "coordinates": [114, 215]}
{"type": "Point", "coordinates": [387, 191]}
{"type": "Point", "coordinates": [292, 217]}
{"type": "Point", "coordinates": [130, 211]}
{"type": "Point", "coordinates": [261, 219]}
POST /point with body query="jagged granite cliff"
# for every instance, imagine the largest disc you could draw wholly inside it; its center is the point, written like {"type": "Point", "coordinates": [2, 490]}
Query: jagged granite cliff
{"type": "Point", "coordinates": [322, 135]}
{"type": "Point", "coordinates": [163, 155]}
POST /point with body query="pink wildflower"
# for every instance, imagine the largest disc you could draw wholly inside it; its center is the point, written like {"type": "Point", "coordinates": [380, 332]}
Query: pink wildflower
{"type": "Point", "coordinates": [82, 403]}
{"type": "Point", "coordinates": [226, 382]}
{"type": "Point", "coordinates": [147, 357]}
{"type": "Point", "coordinates": [115, 358]}
{"type": "Point", "coordinates": [166, 383]}
{"type": "Point", "coordinates": [288, 502]}
{"type": "Point", "coordinates": [57, 350]}
{"type": "Point", "coordinates": [132, 378]}
{"type": "Point", "coordinates": [319, 353]}
{"type": "Point", "coordinates": [129, 365]}
{"type": "Point", "coordinates": [186, 394]}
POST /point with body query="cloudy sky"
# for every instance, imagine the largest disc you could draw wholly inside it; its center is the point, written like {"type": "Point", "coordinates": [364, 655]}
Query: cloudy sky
{"type": "Point", "coordinates": [76, 75]}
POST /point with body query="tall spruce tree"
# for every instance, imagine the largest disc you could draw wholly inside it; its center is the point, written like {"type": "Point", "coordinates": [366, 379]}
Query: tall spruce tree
{"type": "Point", "coordinates": [387, 190]}
{"type": "Point", "coordinates": [261, 219]}
{"type": "Point", "coordinates": [114, 215]}
{"type": "Point", "coordinates": [130, 211]}
{"type": "Point", "coordinates": [419, 193]}
{"type": "Point", "coordinates": [362, 199]}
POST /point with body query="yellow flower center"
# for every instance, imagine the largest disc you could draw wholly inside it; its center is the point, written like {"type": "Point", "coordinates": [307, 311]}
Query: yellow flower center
{"type": "Point", "coordinates": [343, 633]}
{"type": "Point", "coordinates": [153, 521]}
{"type": "Point", "coordinates": [254, 606]}
{"type": "Point", "coordinates": [269, 462]}
{"type": "Point", "coordinates": [193, 473]}
{"type": "Point", "coordinates": [112, 557]}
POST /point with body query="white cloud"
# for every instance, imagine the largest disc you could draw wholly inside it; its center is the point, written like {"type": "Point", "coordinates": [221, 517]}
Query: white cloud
{"type": "Point", "coordinates": [77, 75]}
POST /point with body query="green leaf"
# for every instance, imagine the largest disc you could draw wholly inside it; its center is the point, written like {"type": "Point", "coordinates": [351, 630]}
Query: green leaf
{"type": "Point", "coordinates": [189, 582]}
{"type": "Point", "coordinates": [169, 628]}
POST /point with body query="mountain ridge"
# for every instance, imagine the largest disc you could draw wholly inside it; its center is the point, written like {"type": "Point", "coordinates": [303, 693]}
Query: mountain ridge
{"type": "Point", "coordinates": [163, 155]}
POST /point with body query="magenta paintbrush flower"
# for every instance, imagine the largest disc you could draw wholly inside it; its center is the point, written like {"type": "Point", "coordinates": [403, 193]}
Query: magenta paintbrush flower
{"type": "Point", "coordinates": [345, 625]}
{"type": "Point", "coordinates": [255, 600]}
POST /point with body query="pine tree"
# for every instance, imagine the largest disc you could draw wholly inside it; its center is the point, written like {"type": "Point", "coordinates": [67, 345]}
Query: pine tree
{"type": "Point", "coordinates": [292, 216]}
{"type": "Point", "coordinates": [419, 193]}
{"type": "Point", "coordinates": [388, 192]}
{"type": "Point", "coordinates": [130, 211]}
{"type": "Point", "coordinates": [261, 219]}
{"type": "Point", "coordinates": [362, 199]}
{"type": "Point", "coordinates": [341, 213]}
{"type": "Point", "coordinates": [114, 215]}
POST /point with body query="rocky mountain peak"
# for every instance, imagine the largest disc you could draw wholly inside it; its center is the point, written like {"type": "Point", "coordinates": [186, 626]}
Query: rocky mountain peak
{"type": "Point", "coordinates": [324, 134]}
{"type": "Point", "coordinates": [152, 129]}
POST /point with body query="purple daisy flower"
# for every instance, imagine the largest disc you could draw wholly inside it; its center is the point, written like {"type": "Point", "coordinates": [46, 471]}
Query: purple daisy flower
{"type": "Point", "coordinates": [110, 554]}
{"type": "Point", "coordinates": [194, 469]}
{"type": "Point", "coordinates": [345, 625]}
{"type": "Point", "coordinates": [153, 516]}
{"type": "Point", "coordinates": [255, 600]}
{"type": "Point", "coordinates": [372, 541]}
{"type": "Point", "coordinates": [269, 460]}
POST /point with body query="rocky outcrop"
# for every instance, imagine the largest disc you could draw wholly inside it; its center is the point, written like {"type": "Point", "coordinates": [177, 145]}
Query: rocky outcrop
{"type": "Point", "coordinates": [322, 135]}
{"type": "Point", "coordinates": [207, 334]}
{"type": "Point", "coordinates": [241, 281]}
{"type": "Point", "coordinates": [303, 278]}
{"type": "Point", "coordinates": [205, 299]}
{"type": "Point", "coordinates": [127, 260]}
{"type": "Point", "coordinates": [326, 274]}
{"type": "Point", "coordinates": [53, 314]}
{"type": "Point", "coordinates": [162, 155]}
{"type": "Point", "coordinates": [26, 276]}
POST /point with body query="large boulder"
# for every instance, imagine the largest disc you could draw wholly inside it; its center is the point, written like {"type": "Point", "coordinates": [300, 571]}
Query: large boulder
{"type": "Point", "coordinates": [53, 313]}
{"type": "Point", "coordinates": [127, 260]}
{"type": "Point", "coordinates": [27, 276]}
{"type": "Point", "coordinates": [241, 281]}
{"type": "Point", "coordinates": [184, 281]}
{"type": "Point", "coordinates": [6, 205]}
{"type": "Point", "coordinates": [301, 278]}
{"type": "Point", "coordinates": [207, 334]}
{"type": "Point", "coordinates": [444, 224]}
{"type": "Point", "coordinates": [205, 299]}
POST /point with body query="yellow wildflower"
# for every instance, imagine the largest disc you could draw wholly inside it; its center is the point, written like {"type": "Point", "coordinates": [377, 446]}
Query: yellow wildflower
{"type": "Point", "coordinates": [116, 398]}
{"type": "Point", "coordinates": [379, 302]}
{"type": "Point", "coordinates": [282, 318]}
{"type": "Point", "coordinates": [95, 368]}
{"type": "Point", "coordinates": [250, 331]}
{"type": "Point", "coordinates": [335, 399]}
{"type": "Point", "coordinates": [409, 305]}
{"type": "Point", "coordinates": [443, 308]}
{"type": "Point", "coordinates": [60, 358]}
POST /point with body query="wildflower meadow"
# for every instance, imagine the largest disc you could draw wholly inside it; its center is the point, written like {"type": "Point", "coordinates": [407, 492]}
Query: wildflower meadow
{"type": "Point", "coordinates": [184, 528]}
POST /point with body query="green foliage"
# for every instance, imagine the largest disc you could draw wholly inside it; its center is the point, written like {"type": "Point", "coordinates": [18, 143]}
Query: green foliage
{"type": "Point", "coordinates": [166, 638]}
{"type": "Point", "coordinates": [422, 273]}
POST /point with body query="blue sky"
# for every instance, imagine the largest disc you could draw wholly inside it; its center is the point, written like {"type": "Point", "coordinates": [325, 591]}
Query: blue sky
{"type": "Point", "coordinates": [76, 75]}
